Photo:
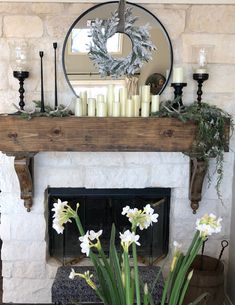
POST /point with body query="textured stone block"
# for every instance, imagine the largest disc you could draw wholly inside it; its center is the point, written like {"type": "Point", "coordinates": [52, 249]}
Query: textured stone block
{"type": "Point", "coordinates": [5, 228]}
{"type": "Point", "coordinates": [14, 8]}
{"type": "Point", "coordinates": [78, 8]}
{"type": "Point", "coordinates": [47, 8]}
{"type": "Point", "coordinates": [58, 27]}
{"type": "Point", "coordinates": [23, 26]}
{"type": "Point", "coordinates": [28, 227]}
{"type": "Point", "coordinates": [172, 19]}
{"type": "Point", "coordinates": [161, 175]}
{"type": "Point", "coordinates": [23, 250]}
{"type": "Point", "coordinates": [29, 270]}
{"type": "Point", "coordinates": [27, 290]}
{"type": "Point", "coordinates": [212, 19]}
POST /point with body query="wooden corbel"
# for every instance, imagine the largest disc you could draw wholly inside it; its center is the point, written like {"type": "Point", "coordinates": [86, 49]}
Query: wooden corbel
{"type": "Point", "coordinates": [198, 169]}
{"type": "Point", "coordinates": [24, 170]}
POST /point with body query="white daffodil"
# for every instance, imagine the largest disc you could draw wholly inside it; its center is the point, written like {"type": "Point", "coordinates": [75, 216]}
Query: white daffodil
{"type": "Point", "coordinates": [127, 238]}
{"type": "Point", "coordinates": [138, 218]}
{"type": "Point", "coordinates": [177, 246]}
{"type": "Point", "coordinates": [93, 235]}
{"type": "Point", "coordinates": [87, 241]}
{"type": "Point", "coordinates": [177, 253]}
{"type": "Point", "coordinates": [62, 214]}
{"type": "Point", "coordinates": [87, 277]}
{"type": "Point", "coordinates": [208, 224]}
{"type": "Point", "coordinates": [125, 210]}
{"type": "Point", "coordinates": [72, 274]}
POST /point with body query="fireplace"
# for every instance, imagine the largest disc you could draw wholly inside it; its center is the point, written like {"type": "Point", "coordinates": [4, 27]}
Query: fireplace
{"type": "Point", "coordinates": [99, 209]}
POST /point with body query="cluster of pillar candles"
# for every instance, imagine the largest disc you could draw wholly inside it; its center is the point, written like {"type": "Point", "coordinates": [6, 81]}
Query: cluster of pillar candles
{"type": "Point", "coordinates": [103, 106]}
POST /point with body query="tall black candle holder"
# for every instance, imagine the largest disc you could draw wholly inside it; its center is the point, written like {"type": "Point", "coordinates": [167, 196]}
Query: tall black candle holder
{"type": "Point", "coordinates": [42, 88]}
{"type": "Point", "coordinates": [56, 98]}
{"type": "Point", "coordinates": [21, 76]}
{"type": "Point", "coordinates": [178, 91]}
{"type": "Point", "coordinates": [200, 78]}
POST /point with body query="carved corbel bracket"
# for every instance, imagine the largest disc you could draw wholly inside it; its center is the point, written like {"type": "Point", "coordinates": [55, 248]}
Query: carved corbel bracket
{"type": "Point", "coordinates": [24, 169]}
{"type": "Point", "coordinates": [198, 169]}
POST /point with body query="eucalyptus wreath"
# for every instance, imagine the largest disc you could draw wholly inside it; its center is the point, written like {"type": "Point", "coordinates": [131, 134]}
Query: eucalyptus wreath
{"type": "Point", "coordinates": [142, 46]}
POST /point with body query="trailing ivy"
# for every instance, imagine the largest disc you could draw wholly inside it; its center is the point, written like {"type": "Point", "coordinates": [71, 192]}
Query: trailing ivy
{"type": "Point", "coordinates": [211, 136]}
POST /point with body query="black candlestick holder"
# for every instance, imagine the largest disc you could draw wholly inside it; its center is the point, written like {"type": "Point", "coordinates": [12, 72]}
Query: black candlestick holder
{"type": "Point", "coordinates": [178, 92]}
{"type": "Point", "coordinates": [21, 76]}
{"type": "Point", "coordinates": [200, 78]}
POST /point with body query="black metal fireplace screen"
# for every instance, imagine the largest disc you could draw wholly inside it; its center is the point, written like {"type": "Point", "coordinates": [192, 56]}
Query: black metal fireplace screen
{"type": "Point", "coordinates": [99, 209]}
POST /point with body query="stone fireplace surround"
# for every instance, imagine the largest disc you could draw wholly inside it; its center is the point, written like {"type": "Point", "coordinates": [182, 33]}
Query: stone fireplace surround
{"type": "Point", "coordinates": [28, 272]}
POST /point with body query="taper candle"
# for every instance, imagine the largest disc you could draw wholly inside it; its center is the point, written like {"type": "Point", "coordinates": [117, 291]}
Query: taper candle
{"type": "Point", "coordinates": [155, 103]}
{"type": "Point", "coordinates": [78, 111]}
{"type": "Point", "coordinates": [91, 106]}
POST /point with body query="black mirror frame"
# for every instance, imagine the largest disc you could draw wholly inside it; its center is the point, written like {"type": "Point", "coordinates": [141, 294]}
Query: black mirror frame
{"type": "Point", "coordinates": [101, 4]}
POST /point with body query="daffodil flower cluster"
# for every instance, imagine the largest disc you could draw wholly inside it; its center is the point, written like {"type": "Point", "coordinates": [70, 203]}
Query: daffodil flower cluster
{"type": "Point", "coordinates": [87, 241]}
{"type": "Point", "coordinates": [208, 224]}
{"type": "Point", "coordinates": [127, 238]}
{"type": "Point", "coordinates": [86, 276]}
{"type": "Point", "coordinates": [140, 218]}
{"type": "Point", "coordinates": [63, 213]}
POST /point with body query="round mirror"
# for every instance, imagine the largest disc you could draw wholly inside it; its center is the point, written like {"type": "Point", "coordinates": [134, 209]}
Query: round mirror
{"type": "Point", "coordinates": [81, 73]}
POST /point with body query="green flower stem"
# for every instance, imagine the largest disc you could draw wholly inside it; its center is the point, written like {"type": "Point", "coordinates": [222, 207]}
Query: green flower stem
{"type": "Point", "coordinates": [176, 291]}
{"type": "Point", "coordinates": [127, 278]}
{"type": "Point", "coordinates": [79, 225]}
{"type": "Point", "coordinates": [165, 290]}
{"type": "Point", "coordinates": [136, 274]}
{"type": "Point", "coordinates": [184, 291]}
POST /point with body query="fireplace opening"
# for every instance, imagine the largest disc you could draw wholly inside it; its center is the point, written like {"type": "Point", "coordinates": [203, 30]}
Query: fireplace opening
{"type": "Point", "coordinates": [99, 209]}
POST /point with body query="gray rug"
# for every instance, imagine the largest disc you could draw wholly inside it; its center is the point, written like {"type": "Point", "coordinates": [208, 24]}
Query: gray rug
{"type": "Point", "coordinates": [66, 291]}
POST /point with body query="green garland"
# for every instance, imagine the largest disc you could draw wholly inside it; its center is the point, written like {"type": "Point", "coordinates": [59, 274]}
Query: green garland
{"type": "Point", "coordinates": [211, 131]}
{"type": "Point", "coordinates": [142, 46]}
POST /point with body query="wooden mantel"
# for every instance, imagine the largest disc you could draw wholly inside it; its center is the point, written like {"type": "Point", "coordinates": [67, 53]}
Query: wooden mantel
{"type": "Point", "coordinates": [94, 134]}
{"type": "Point", "coordinates": [24, 138]}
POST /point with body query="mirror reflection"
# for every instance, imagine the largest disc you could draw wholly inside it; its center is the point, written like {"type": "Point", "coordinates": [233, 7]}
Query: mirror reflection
{"type": "Point", "coordinates": [82, 75]}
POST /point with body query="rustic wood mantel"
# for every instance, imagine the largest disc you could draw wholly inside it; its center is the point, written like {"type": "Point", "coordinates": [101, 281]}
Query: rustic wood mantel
{"type": "Point", "coordinates": [24, 138]}
{"type": "Point", "coordinates": [94, 134]}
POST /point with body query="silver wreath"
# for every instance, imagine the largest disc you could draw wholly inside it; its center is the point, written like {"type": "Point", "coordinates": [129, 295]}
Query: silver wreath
{"type": "Point", "coordinates": [142, 46]}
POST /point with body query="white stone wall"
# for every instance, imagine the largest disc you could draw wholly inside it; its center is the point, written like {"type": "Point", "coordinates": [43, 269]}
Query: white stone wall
{"type": "Point", "coordinates": [27, 270]}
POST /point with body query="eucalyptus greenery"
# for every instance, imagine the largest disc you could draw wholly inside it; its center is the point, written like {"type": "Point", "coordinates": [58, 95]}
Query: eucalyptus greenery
{"type": "Point", "coordinates": [211, 135]}
{"type": "Point", "coordinates": [142, 46]}
{"type": "Point", "coordinates": [60, 111]}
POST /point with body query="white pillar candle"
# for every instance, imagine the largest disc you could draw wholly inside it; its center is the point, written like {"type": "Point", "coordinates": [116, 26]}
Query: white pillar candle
{"type": "Point", "coordinates": [91, 106]}
{"type": "Point", "coordinates": [110, 99]}
{"type": "Point", "coordinates": [78, 107]}
{"type": "Point", "coordinates": [101, 109]}
{"type": "Point", "coordinates": [145, 109]}
{"type": "Point", "coordinates": [129, 108]}
{"type": "Point", "coordinates": [83, 97]}
{"type": "Point", "coordinates": [145, 94]}
{"type": "Point", "coordinates": [178, 75]}
{"type": "Point", "coordinates": [116, 109]}
{"type": "Point", "coordinates": [123, 98]}
{"type": "Point", "coordinates": [155, 103]}
{"type": "Point", "coordinates": [136, 101]}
